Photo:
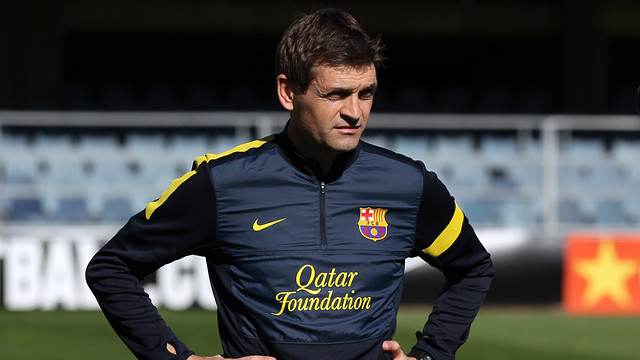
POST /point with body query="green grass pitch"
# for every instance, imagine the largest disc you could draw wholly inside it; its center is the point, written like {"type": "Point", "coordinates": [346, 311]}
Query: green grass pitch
{"type": "Point", "coordinates": [497, 334]}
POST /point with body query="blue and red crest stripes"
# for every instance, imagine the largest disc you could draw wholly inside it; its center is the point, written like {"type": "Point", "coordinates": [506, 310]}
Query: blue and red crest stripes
{"type": "Point", "coordinates": [372, 223]}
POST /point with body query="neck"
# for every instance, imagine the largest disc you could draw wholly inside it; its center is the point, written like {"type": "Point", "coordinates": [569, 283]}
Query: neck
{"type": "Point", "coordinates": [306, 147]}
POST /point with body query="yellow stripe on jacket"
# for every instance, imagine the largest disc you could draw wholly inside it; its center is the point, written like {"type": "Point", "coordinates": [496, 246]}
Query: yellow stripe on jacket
{"type": "Point", "coordinates": [448, 236]}
{"type": "Point", "coordinates": [154, 205]}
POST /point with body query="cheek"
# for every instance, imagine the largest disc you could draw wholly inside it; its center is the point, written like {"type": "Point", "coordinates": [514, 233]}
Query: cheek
{"type": "Point", "coordinates": [325, 115]}
{"type": "Point", "coordinates": [366, 107]}
{"type": "Point", "coordinates": [319, 117]}
{"type": "Point", "coordinates": [313, 123]}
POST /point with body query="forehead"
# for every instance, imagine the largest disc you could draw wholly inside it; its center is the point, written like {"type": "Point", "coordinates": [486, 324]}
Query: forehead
{"type": "Point", "coordinates": [344, 76]}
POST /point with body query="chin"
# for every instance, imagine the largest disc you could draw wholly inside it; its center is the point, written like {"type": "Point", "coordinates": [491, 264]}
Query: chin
{"type": "Point", "coordinates": [343, 143]}
{"type": "Point", "coordinates": [345, 146]}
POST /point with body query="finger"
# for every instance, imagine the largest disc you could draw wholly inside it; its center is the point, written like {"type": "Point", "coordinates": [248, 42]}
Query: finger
{"type": "Point", "coordinates": [391, 346]}
{"type": "Point", "coordinates": [394, 348]}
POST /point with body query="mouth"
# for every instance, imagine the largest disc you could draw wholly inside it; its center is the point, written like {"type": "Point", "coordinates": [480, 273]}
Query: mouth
{"type": "Point", "coordinates": [347, 129]}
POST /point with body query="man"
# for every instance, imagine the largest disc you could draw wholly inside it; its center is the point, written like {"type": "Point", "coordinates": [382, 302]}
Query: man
{"type": "Point", "coordinates": [305, 232]}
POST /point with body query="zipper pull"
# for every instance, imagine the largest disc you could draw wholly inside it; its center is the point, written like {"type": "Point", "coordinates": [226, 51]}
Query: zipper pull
{"type": "Point", "coordinates": [322, 186]}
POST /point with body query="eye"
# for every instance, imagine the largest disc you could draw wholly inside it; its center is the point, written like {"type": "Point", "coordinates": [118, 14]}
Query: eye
{"type": "Point", "coordinates": [366, 95]}
{"type": "Point", "coordinates": [336, 95]}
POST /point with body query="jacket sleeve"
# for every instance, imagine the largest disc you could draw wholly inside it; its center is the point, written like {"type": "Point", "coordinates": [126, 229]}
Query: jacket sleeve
{"type": "Point", "coordinates": [446, 240]}
{"type": "Point", "coordinates": [181, 222]}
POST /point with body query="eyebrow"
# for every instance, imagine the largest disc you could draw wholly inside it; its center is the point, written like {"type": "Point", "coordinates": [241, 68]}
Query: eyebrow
{"type": "Point", "coordinates": [371, 87]}
{"type": "Point", "coordinates": [340, 90]}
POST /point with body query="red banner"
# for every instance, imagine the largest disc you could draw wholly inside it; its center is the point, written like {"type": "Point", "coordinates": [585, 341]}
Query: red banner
{"type": "Point", "coordinates": [602, 274]}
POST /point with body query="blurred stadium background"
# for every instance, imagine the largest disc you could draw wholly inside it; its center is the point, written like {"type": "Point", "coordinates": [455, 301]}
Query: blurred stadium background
{"type": "Point", "coordinates": [525, 109]}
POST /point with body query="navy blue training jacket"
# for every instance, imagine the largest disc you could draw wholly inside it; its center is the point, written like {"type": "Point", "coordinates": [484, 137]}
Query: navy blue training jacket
{"type": "Point", "coordinates": [302, 266]}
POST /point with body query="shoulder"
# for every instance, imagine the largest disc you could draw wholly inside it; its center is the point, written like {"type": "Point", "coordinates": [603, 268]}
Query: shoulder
{"type": "Point", "coordinates": [430, 177]}
{"type": "Point", "coordinates": [394, 169]}
{"type": "Point", "coordinates": [243, 150]}
{"type": "Point", "coordinates": [390, 155]}
{"type": "Point", "coordinates": [395, 162]}
{"type": "Point", "coordinates": [405, 170]}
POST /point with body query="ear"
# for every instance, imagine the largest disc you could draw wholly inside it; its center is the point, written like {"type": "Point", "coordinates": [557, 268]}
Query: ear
{"type": "Point", "coordinates": [285, 92]}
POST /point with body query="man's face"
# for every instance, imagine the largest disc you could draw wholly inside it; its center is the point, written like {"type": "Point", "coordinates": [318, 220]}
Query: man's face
{"type": "Point", "coordinates": [331, 115]}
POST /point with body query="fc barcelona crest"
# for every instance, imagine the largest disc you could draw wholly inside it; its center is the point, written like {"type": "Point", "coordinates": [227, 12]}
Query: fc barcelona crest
{"type": "Point", "coordinates": [372, 223]}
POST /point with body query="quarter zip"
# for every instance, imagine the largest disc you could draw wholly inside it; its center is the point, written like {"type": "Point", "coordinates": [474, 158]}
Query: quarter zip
{"type": "Point", "coordinates": [323, 223]}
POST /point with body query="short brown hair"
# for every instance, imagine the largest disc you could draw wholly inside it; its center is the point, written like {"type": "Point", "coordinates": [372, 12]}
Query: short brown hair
{"type": "Point", "coordinates": [326, 37]}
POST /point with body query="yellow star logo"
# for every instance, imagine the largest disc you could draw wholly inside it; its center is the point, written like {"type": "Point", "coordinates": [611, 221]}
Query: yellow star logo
{"type": "Point", "coordinates": [606, 275]}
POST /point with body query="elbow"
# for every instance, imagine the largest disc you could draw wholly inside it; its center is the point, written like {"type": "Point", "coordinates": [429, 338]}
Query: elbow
{"type": "Point", "coordinates": [90, 273]}
{"type": "Point", "coordinates": [98, 269]}
{"type": "Point", "coordinates": [486, 267]}
{"type": "Point", "coordinates": [484, 271]}
{"type": "Point", "coordinates": [482, 268]}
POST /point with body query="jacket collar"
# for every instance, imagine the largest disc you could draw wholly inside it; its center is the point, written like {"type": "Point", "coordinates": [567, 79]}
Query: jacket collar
{"type": "Point", "coordinates": [312, 167]}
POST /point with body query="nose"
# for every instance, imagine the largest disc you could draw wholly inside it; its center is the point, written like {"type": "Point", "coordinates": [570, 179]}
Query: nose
{"type": "Point", "coordinates": [351, 109]}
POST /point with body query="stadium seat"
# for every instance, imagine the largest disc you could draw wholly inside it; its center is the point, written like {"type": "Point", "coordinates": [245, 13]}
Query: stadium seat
{"type": "Point", "coordinates": [468, 176]}
{"type": "Point", "coordinates": [629, 175]}
{"type": "Point", "coordinates": [586, 148]}
{"type": "Point", "coordinates": [222, 142]}
{"type": "Point", "coordinates": [412, 99]}
{"type": "Point", "coordinates": [161, 98]}
{"type": "Point", "coordinates": [243, 98]}
{"type": "Point", "coordinates": [138, 141]}
{"type": "Point", "coordinates": [156, 173]}
{"type": "Point", "coordinates": [625, 149]}
{"type": "Point", "coordinates": [19, 170]}
{"type": "Point", "coordinates": [453, 147]}
{"type": "Point", "coordinates": [46, 143]}
{"type": "Point", "coordinates": [623, 102]}
{"type": "Point", "coordinates": [115, 97]}
{"type": "Point", "coordinates": [631, 209]}
{"type": "Point", "coordinates": [64, 171]}
{"type": "Point", "coordinates": [77, 97]}
{"type": "Point", "coordinates": [594, 176]}
{"type": "Point", "coordinates": [587, 208]}
{"type": "Point", "coordinates": [188, 146]}
{"type": "Point", "coordinates": [98, 144]}
{"type": "Point", "coordinates": [526, 175]}
{"type": "Point", "coordinates": [25, 209]}
{"type": "Point", "coordinates": [536, 102]}
{"type": "Point", "coordinates": [517, 213]}
{"type": "Point", "coordinates": [498, 148]}
{"type": "Point", "coordinates": [481, 213]}
{"type": "Point", "coordinates": [116, 210]}
{"type": "Point", "coordinates": [202, 98]}
{"type": "Point", "coordinates": [610, 213]}
{"type": "Point", "coordinates": [382, 101]}
{"type": "Point", "coordinates": [501, 180]}
{"type": "Point", "coordinates": [414, 146]}
{"type": "Point", "coordinates": [496, 100]}
{"type": "Point", "coordinates": [569, 212]}
{"type": "Point", "coordinates": [143, 196]}
{"type": "Point", "coordinates": [606, 174]}
{"type": "Point", "coordinates": [497, 181]}
{"type": "Point", "coordinates": [454, 100]}
{"type": "Point", "coordinates": [13, 142]}
{"type": "Point", "coordinates": [72, 210]}
{"type": "Point", "coordinates": [102, 171]}
{"type": "Point", "coordinates": [377, 139]}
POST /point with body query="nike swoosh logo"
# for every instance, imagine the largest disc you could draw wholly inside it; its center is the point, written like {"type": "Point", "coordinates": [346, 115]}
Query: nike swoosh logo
{"type": "Point", "coordinates": [258, 227]}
